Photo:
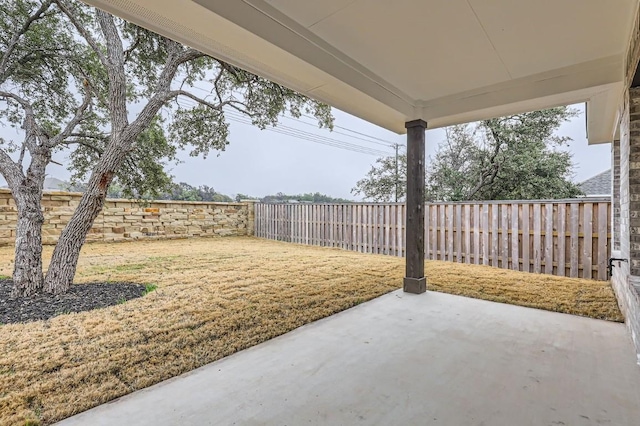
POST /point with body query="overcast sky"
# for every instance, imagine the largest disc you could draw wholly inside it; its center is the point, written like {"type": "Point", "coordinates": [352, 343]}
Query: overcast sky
{"type": "Point", "coordinates": [264, 162]}
{"type": "Point", "coordinates": [260, 162]}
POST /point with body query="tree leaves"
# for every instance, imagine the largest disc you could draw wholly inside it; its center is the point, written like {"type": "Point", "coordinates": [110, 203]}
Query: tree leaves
{"type": "Point", "coordinates": [382, 183]}
{"type": "Point", "coordinates": [200, 128]}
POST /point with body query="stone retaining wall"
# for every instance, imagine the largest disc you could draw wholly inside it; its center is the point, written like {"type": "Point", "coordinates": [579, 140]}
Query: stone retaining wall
{"type": "Point", "coordinates": [122, 220]}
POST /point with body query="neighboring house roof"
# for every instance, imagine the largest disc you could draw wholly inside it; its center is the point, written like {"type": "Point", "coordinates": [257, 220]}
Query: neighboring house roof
{"type": "Point", "coordinates": [599, 184]}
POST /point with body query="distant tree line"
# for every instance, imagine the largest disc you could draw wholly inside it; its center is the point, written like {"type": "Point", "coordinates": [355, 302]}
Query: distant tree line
{"type": "Point", "coordinates": [184, 192]}
{"type": "Point", "coordinates": [308, 197]}
{"type": "Point", "coordinates": [176, 191]}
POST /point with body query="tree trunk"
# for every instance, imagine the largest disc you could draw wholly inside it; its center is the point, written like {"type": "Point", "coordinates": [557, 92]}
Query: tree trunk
{"type": "Point", "coordinates": [67, 252]}
{"type": "Point", "coordinates": [27, 272]}
{"type": "Point", "coordinates": [64, 261]}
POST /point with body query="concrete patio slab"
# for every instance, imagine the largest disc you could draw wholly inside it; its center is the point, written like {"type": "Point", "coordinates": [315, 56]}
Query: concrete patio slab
{"type": "Point", "coordinates": [431, 359]}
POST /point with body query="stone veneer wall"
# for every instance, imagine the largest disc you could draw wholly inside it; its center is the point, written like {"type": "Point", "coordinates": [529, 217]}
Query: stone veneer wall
{"type": "Point", "coordinates": [123, 220]}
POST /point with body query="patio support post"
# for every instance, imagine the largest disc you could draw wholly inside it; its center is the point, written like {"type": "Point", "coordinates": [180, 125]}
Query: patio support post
{"type": "Point", "coordinates": [415, 281]}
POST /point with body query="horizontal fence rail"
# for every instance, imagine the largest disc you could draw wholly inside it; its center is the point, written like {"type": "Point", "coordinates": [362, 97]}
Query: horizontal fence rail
{"type": "Point", "coordinates": [560, 237]}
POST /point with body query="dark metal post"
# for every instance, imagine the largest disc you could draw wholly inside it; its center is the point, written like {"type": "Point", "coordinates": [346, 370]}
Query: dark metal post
{"type": "Point", "coordinates": [415, 281]}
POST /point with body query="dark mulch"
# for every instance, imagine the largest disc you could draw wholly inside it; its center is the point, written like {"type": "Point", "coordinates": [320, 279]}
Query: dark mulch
{"type": "Point", "coordinates": [79, 298]}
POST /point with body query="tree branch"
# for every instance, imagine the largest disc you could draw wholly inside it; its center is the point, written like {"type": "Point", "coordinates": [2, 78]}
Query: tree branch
{"type": "Point", "coordinates": [30, 126]}
{"type": "Point", "coordinates": [134, 45]}
{"type": "Point", "coordinates": [488, 175]}
{"type": "Point", "coordinates": [84, 143]}
{"type": "Point", "coordinates": [102, 137]}
{"type": "Point", "coordinates": [175, 93]}
{"type": "Point", "coordinates": [16, 37]}
{"type": "Point", "coordinates": [10, 170]}
{"type": "Point", "coordinates": [174, 60]}
{"type": "Point", "coordinates": [71, 125]}
{"type": "Point", "coordinates": [83, 32]}
{"type": "Point", "coordinates": [229, 68]}
{"type": "Point", "coordinates": [23, 102]}
{"type": "Point", "coordinates": [23, 149]}
{"type": "Point", "coordinates": [117, 76]}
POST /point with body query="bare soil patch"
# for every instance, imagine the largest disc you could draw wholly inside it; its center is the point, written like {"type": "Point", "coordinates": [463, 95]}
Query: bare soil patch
{"type": "Point", "coordinates": [216, 297]}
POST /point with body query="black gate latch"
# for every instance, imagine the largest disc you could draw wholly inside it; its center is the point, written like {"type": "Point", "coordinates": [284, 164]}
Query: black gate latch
{"type": "Point", "coordinates": [614, 259]}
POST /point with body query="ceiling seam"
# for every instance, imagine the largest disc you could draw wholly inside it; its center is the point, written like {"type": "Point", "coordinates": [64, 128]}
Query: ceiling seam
{"type": "Point", "coordinates": [489, 38]}
{"type": "Point", "coordinates": [332, 13]}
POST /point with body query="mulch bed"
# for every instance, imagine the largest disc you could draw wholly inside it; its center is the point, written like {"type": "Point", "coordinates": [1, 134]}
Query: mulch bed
{"type": "Point", "coordinates": [79, 298]}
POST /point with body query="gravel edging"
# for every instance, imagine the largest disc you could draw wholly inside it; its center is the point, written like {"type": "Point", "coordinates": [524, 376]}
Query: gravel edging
{"type": "Point", "coordinates": [79, 298]}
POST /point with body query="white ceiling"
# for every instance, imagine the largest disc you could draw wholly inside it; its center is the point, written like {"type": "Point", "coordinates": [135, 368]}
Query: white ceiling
{"type": "Point", "coordinates": [393, 61]}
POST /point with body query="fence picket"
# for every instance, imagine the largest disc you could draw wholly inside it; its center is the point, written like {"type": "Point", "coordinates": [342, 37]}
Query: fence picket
{"type": "Point", "coordinates": [485, 234]}
{"type": "Point", "coordinates": [548, 239]}
{"type": "Point", "coordinates": [400, 230]}
{"type": "Point", "coordinates": [494, 234]}
{"type": "Point", "coordinates": [450, 231]}
{"type": "Point", "coordinates": [603, 240]}
{"type": "Point", "coordinates": [526, 238]}
{"type": "Point", "coordinates": [587, 230]}
{"type": "Point", "coordinates": [434, 232]}
{"type": "Point", "coordinates": [373, 211]}
{"type": "Point", "coordinates": [515, 237]}
{"type": "Point", "coordinates": [427, 233]}
{"type": "Point", "coordinates": [387, 224]}
{"type": "Point", "coordinates": [467, 234]}
{"type": "Point", "coordinates": [575, 226]}
{"type": "Point", "coordinates": [562, 238]}
{"type": "Point", "coordinates": [457, 229]}
{"type": "Point", "coordinates": [504, 226]}
{"type": "Point", "coordinates": [537, 237]}
{"type": "Point", "coordinates": [443, 231]}
{"type": "Point", "coordinates": [476, 234]}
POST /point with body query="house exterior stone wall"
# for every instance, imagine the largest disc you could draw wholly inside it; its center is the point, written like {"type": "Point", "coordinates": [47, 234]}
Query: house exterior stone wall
{"type": "Point", "coordinates": [627, 274]}
{"type": "Point", "coordinates": [625, 159]}
{"type": "Point", "coordinates": [615, 199]}
{"type": "Point", "coordinates": [123, 220]}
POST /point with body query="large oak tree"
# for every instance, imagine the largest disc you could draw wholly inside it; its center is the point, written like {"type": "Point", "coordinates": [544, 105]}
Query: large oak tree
{"type": "Point", "coordinates": [122, 101]}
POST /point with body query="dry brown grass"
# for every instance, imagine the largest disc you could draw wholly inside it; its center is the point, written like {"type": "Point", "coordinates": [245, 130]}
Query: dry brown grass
{"type": "Point", "coordinates": [216, 297]}
{"type": "Point", "coordinates": [575, 296]}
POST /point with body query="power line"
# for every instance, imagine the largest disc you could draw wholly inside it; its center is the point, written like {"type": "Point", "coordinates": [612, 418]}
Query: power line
{"type": "Point", "coordinates": [282, 129]}
{"type": "Point", "coordinates": [304, 133]}
{"type": "Point", "coordinates": [300, 134]}
{"type": "Point", "coordinates": [324, 141]}
{"type": "Point", "coordinates": [380, 141]}
{"type": "Point", "coordinates": [387, 144]}
{"type": "Point", "coordinates": [356, 132]}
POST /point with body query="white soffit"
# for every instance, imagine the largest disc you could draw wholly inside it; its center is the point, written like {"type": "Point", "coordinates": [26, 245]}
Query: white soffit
{"type": "Point", "coordinates": [388, 62]}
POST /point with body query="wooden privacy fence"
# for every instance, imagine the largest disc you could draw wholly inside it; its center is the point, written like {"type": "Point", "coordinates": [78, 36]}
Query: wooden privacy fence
{"type": "Point", "coordinates": [560, 237]}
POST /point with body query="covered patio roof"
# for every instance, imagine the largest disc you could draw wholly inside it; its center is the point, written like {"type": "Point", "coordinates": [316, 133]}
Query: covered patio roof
{"type": "Point", "coordinates": [389, 62]}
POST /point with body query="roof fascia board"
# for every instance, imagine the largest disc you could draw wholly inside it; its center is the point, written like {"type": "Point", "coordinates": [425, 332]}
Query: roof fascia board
{"type": "Point", "coordinates": [588, 75]}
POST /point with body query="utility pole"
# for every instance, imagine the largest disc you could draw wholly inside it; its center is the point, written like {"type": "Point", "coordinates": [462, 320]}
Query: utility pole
{"type": "Point", "coordinates": [397, 177]}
